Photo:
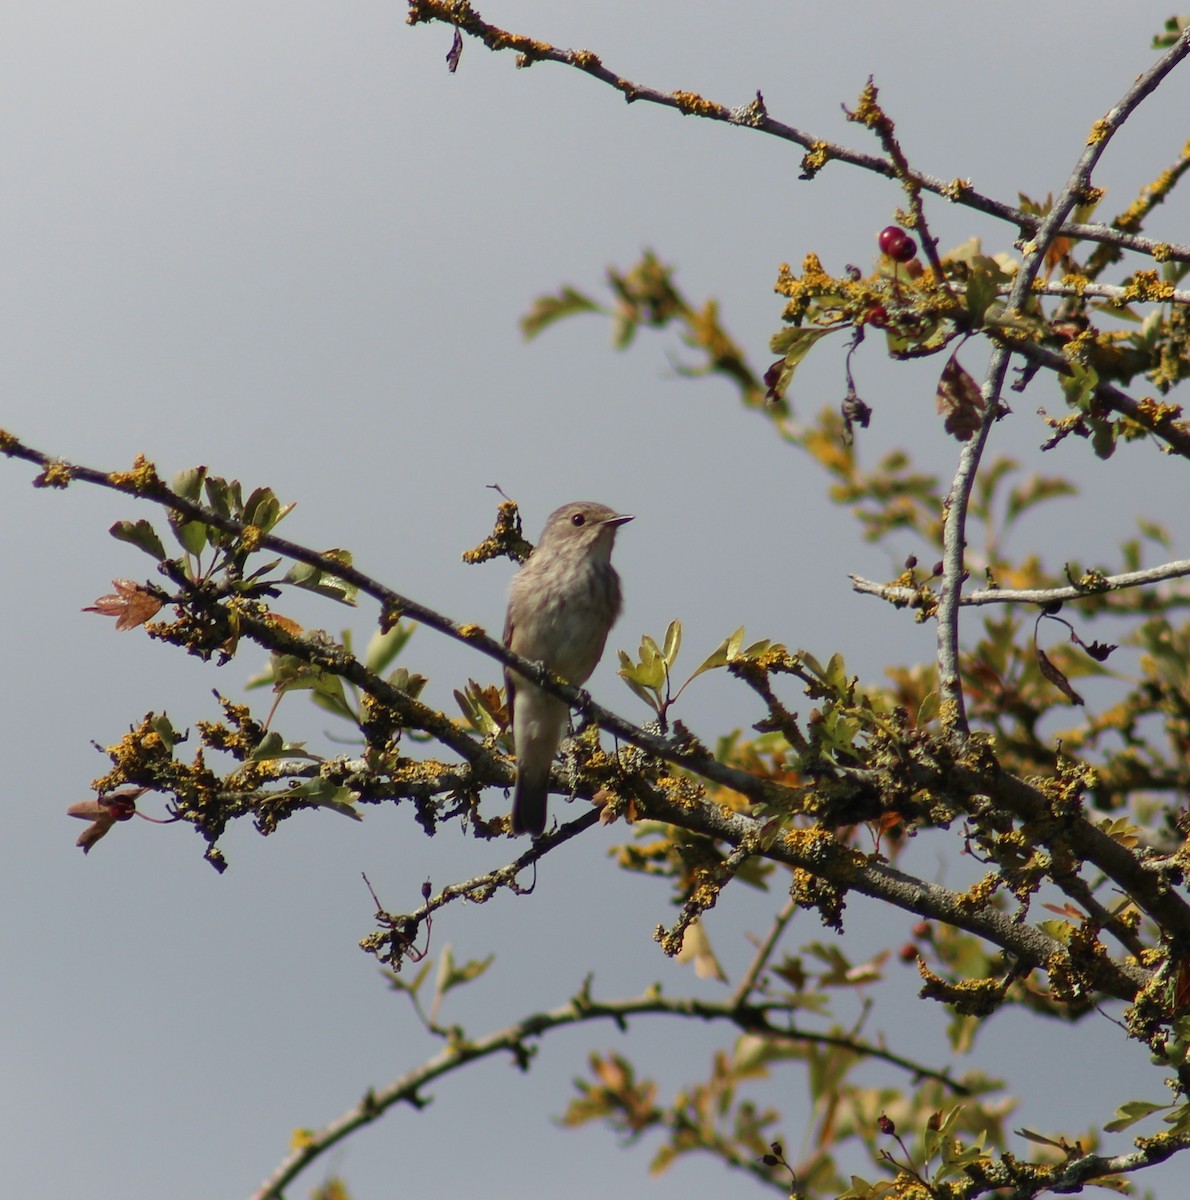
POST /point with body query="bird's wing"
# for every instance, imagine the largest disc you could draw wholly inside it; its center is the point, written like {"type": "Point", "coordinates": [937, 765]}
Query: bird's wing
{"type": "Point", "coordinates": [509, 690]}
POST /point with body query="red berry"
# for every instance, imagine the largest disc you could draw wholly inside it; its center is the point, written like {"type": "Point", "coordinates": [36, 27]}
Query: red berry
{"type": "Point", "coordinates": [877, 315]}
{"type": "Point", "coordinates": [907, 251]}
{"type": "Point", "coordinates": [890, 239]}
{"type": "Point", "coordinates": [897, 244]}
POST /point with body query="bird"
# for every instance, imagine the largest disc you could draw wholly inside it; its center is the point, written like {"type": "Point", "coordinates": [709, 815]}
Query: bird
{"type": "Point", "coordinates": [561, 607]}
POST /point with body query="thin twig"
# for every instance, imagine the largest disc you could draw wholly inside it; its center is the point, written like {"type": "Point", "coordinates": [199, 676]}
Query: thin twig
{"type": "Point", "coordinates": [1076, 189]}
{"type": "Point", "coordinates": [1102, 291]}
{"type": "Point", "coordinates": [763, 952]}
{"type": "Point", "coordinates": [463, 16]}
{"type": "Point", "coordinates": [1100, 585]}
{"type": "Point", "coordinates": [512, 1040]}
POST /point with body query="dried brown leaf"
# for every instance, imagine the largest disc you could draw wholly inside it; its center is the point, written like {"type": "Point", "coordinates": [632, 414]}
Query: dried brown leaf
{"type": "Point", "coordinates": [132, 604]}
{"type": "Point", "coordinates": [959, 401]}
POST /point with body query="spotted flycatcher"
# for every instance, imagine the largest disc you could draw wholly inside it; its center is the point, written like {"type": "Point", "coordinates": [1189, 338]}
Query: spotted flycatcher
{"type": "Point", "coordinates": [561, 607]}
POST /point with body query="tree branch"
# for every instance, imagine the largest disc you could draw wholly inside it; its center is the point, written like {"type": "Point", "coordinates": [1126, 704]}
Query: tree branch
{"type": "Point", "coordinates": [461, 15]}
{"type": "Point", "coordinates": [1076, 189]}
{"type": "Point", "coordinates": [913, 597]}
{"type": "Point", "coordinates": [814, 851]}
{"type": "Point", "coordinates": [580, 1010]}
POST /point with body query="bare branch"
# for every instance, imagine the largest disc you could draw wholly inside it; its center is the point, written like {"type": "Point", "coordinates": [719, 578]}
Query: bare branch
{"type": "Point", "coordinates": [1076, 189]}
{"type": "Point", "coordinates": [755, 1019]}
{"type": "Point", "coordinates": [1101, 291]}
{"type": "Point", "coordinates": [461, 15]}
{"type": "Point", "coordinates": [1106, 583]}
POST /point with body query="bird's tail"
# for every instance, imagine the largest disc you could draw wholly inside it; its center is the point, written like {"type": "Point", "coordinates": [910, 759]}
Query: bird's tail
{"type": "Point", "coordinates": [537, 729]}
{"type": "Point", "coordinates": [529, 802]}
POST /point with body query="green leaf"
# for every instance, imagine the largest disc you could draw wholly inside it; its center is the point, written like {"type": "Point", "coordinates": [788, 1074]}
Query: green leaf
{"type": "Point", "coordinates": [861, 1189]}
{"type": "Point", "coordinates": [629, 672]}
{"type": "Point", "coordinates": [384, 647]}
{"type": "Point", "coordinates": [480, 706]}
{"type": "Point", "coordinates": [1103, 438]}
{"type": "Point", "coordinates": [451, 976]}
{"type": "Point", "coordinates": [165, 731]}
{"type": "Point", "coordinates": [311, 578]}
{"type": "Point", "coordinates": [408, 681]}
{"type": "Point", "coordinates": [399, 984]}
{"type": "Point", "coordinates": [221, 496]}
{"type": "Point", "coordinates": [262, 570]}
{"type": "Point", "coordinates": [984, 278]}
{"type": "Point", "coordinates": [140, 534]}
{"type": "Point", "coordinates": [1173, 30]}
{"type": "Point", "coordinates": [270, 747]}
{"type": "Point", "coordinates": [188, 483]}
{"type": "Point", "coordinates": [722, 654]}
{"type": "Point", "coordinates": [273, 747]}
{"type": "Point", "coordinates": [322, 793]}
{"type": "Point", "coordinates": [1153, 532]}
{"type": "Point", "coordinates": [290, 673]}
{"type": "Point", "coordinates": [548, 309]}
{"type": "Point", "coordinates": [191, 535]}
{"type": "Point", "coordinates": [264, 510]}
{"type": "Point", "coordinates": [758, 649]}
{"type": "Point", "coordinates": [673, 642]}
{"type": "Point", "coordinates": [1131, 1112]}
{"type": "Point", "coordinates": [1033, 491]}
{"type": "Point", "coordinates": [1079, 386]}
{"type": "Point", "coordinates": [794, 343]}
{"type": "Point", "coordinates": [836, 674]}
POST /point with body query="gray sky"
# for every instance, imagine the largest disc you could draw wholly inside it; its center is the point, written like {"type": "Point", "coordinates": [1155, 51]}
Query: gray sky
{"type": "Point", "coordinates": [281, 240]}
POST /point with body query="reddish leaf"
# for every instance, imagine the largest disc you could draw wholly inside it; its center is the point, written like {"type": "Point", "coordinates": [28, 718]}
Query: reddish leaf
{"type": "Point", "coordinates": [103, 813]}
{"type": "Point", "coordinates": [132, 604]}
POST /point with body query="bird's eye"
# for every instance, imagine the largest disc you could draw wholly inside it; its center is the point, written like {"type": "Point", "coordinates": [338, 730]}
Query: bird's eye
{"type": "Point", "coordinates": [578, 519]}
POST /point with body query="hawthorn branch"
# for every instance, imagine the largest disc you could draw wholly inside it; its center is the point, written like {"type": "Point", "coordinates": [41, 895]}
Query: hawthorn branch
{"type": "Point", "coordinates": [462, 16]}
{"type": "Point", "coordinates": [1103, 291]}
{"type": "Point", "coordinates": [513, 1039]}
{"type": "Point", "coordinates": [1076, 1173]}
{"type": "Point", "coordinates": [821, 856]}
{"type": "Point", "coordinates": [1100, 584]}
{"type": "Point", "coordinates": [143, 484]}
{"type": "Point", "coordinates": [1076, 189]}
{"type": "Point", "coordinates": [1159, 423]}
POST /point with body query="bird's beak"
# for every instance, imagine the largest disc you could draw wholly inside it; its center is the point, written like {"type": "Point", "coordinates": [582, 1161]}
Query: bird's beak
{"type": "Point", "coordinates": [618, 519]}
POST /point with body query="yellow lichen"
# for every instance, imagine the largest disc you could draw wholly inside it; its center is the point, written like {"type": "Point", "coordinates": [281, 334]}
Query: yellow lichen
{"type": "Point", "coordinates": [868, 112]}
{"type": "Point", "coordinates": [1156, 412]}
{"type": "Point", "coordinates": [142, 478]}
{"type": "Point", "coordinates": [55, 474]}
{"type": "Point", "coordinates": [979, 895]}
{"type": "Point", "coordinates": [816, 158]}
{"type": "Point", "coordinates": [693, 104]}
{"type": "Point", "coordinates": [1148, 286]}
